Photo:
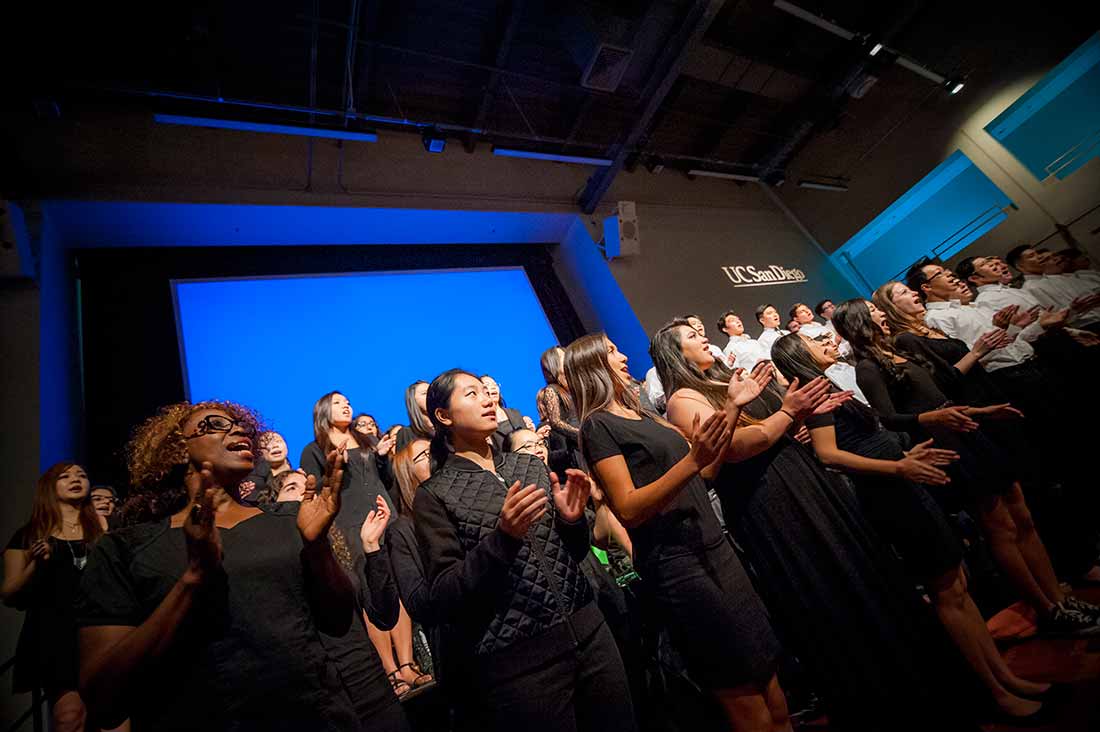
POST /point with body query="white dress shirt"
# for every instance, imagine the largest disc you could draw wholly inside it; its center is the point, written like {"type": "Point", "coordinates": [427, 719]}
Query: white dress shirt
{"type": "Point", "coordinates": [844, 375]}
{"type": "Point", "coordinates": [654, 390]}
{"type": "Point", "coordinates": [716, 352]}
{"type": "Point", "coordinates": [1059, 291]}
{"type": "Point", "coordinates": [770, 336]}
{"type": "Point", "coordinates": [746, 351]}
{"type": "Point", "coordinates": [813, 329]}
{"type": "Point", "coordinates": [995, 297]}
{"type": "Point", "coordinates": [968, 323]}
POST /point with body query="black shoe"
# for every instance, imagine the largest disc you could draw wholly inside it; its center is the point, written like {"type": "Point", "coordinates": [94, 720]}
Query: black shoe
{"type": "Point", "coordinates": [1085, 608]}
{"type": "Point", "coordinates": [1066, 622]}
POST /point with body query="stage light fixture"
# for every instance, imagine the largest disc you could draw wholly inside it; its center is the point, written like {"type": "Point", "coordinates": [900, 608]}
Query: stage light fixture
{"type": "Point", "coordinates": [726, 176]}
{"type": "Point", "coordinates": [507, 152]}
{"type": "Point", "coordinates": [956, 86]}
{"type": "Point", "coordinates": [875, 49]}
{"type": "Point", "coordinates": [817, 185]}
{"type": "Point", "coordinates": [233, 124]}
{"type": "Point", "coordinates": [433, 141]}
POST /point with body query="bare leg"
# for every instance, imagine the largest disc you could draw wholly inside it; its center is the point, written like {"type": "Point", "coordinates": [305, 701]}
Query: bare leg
{"type": "Point", "coordinates": [402, 635]}
{"type": "Point", "coordinates": [950, 599]}
{"type": "Point", "coordinates": [748, 709]}
{"type": "Point", "coordinates": [1031, 545]}
{"type": "Point", "coordinates": [382, 643]}
{"type": "Point", "coordinates": [67, 713]}
{"type": "Point", "coordinates": [1001, 531]}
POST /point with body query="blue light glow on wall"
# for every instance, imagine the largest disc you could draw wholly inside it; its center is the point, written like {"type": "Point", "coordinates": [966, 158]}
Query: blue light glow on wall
{"type": "Point", "coordinates": [277, 344]}
{"type": "Point", "coordinates": [1054, 128]}
{"type": "Point", "coordinates": [945, 211]}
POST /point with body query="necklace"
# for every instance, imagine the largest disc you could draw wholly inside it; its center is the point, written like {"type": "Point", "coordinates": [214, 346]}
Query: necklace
{"type": "Point", "coordinates": [78, 561]}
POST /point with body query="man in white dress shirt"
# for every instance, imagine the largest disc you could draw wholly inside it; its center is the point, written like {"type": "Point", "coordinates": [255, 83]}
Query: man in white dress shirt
{"type": "Point", "coordinates": [807, 326]}
{"type": "Point", "coordinates": [768, 317]}
{"type": "Point", "coordinates": [1044, 281]}
{"type": "Point", "coordinates": [742, 351]}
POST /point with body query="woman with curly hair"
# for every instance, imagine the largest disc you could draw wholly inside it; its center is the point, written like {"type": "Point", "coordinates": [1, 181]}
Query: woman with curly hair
{"type": "Point", "coordinates": [42, 567]}
{"type": "Point", "coordinates": [206, 616]}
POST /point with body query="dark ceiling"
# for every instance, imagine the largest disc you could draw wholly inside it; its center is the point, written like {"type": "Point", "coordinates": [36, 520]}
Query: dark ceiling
{"type": "Point", "coordinates": [737, 86]}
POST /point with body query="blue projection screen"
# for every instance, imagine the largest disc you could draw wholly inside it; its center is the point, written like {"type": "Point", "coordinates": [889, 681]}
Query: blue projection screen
{"type": "Point", "coordinates": [279, 343]}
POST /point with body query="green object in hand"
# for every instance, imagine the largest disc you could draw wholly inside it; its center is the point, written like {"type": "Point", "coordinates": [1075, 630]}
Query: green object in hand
{"type": "Point", "coordinates": [601, 555]}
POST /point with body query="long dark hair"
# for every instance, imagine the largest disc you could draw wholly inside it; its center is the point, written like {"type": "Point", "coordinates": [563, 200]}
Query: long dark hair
{"type": "Point", "coordinates": [417, 423]}
{"type": "Point", "coordinates": [853, 322]}
{"type": "Point", "coordinates": [46, 508]}
{"type": "Point", "coordinates": [439, 397]}
{"type": "Point", "coordinates": [794, 360]}
{"type": "Point", "coordinates": [322, 422]}
{"type": "Point", "coordinates": [676, 372]}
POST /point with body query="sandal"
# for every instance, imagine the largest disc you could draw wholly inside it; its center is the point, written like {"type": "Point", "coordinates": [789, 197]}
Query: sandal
{"type": "Point", "coordinates": [400, 687]}
{"type": "Point", "coordinates": [422, 679]}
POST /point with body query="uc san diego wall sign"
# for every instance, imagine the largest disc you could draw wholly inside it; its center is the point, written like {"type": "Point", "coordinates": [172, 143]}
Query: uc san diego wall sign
{"type": "Point", "coordinates": [748, 276]}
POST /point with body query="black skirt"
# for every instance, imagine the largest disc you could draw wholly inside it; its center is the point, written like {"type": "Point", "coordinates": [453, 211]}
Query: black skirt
{"type": "Point", "coordinates": [715, 619]}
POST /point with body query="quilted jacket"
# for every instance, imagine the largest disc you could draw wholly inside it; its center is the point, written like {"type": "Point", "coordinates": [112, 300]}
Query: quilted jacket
{"type": "Point", "coordinates": [517, 602]}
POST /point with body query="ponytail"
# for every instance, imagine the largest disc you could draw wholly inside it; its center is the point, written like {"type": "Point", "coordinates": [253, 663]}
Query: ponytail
{"type": "Point", "coordinates": [440, 449]}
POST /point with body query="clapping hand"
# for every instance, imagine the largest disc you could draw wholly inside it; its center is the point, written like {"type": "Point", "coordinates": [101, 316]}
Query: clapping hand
{"type": "Point", "coordinates": [1003, 317]}
{"type": "Point", "coordinates": [743, 390]}
{"type": "Point", "coordinates": [571, 498]}
{"type": "Point", "coordinates": [204, 545]}
{"type": "Point", "coordinates": [1024, 318]}
{"type": "Point", "coordinates": [375, 525]}
{"type": "Point", "coordinates": [990, 341]}
{"type": "Point", "coordinates": [522, 507]}
{"type": "Point", "coordinates": [1086, 302]}
{"type": "Point", "coordinates": [834, 400]}
{"type": "Point", "coordinates": [40, 550]}
{"type": "Point", "coordinates": [711, 440]}
{"type": "Point", "coordinates": [385, 445]}
{"type": "Point", "coordinates": [319, 508]}
{"type": "Point", "coordinates": [801, 402]}
{"type": "Point", "coordinates": [1050, 319]}
{"type": "Point", "coordinates": [995, 411]}
{"type": "Point", "coordinates": [933, 455]}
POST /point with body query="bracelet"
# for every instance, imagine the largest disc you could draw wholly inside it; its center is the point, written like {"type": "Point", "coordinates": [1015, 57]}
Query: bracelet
{"type": "Point", "coordinates": [784, 411]}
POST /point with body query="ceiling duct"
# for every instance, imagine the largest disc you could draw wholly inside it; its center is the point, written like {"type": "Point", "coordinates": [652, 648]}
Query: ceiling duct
{"type": "Point", "coordinates": [601, 44]}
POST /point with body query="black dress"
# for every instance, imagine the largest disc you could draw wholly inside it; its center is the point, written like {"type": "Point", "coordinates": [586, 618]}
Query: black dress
{"type": "Point", "coordinates": [838, 596]}
{"type": "Point", "coordinates": [983, 468]}
{"type": "Point", "coordinates": [362, 485]}
{"type": "Point", "coordinates": [248, 655]}
{"type": "Point", "coordinates": [714, 617]}
{"type": "Point", "coordinates": [45, 656]}
{"type": "Point", "coordinates": [902, 511]}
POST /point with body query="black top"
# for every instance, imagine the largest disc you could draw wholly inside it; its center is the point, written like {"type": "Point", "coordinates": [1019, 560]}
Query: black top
{"type": "Point", "coordinates": [409, 571]}
{"type": "Point", "coordinates": [687, 524]}
{"type": "Point", "coordinates": [46, 653]}
{"type": "Point", "coordinates": [975, 387]}
{"type": "Point", "coordinates": [506, 427]}
{"type": "Point", "coordinates": [247, 656]}
{"type": "Point", "coordinates": [513, 603]}
{"type": "Point", "coordinates": [900, 403]}
{"type": "Point", "coordinates": [362, 485]}
{"type": "Point", "coordinates": [859, 431]}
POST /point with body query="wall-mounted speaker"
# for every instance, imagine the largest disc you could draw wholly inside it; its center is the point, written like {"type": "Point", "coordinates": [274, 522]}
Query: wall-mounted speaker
{"type": "Point", "coordinates": [620, 232]}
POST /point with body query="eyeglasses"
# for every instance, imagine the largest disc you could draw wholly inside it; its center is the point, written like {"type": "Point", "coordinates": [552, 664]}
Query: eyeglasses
{"type": "Point", "coordinates": [530, 446]}
{"type": "Point", "coordinates": [938, 274]}
{"type": "Point", "coordinates": [217, 423]}
{"type": "Point", "coordinates": [423, 455]}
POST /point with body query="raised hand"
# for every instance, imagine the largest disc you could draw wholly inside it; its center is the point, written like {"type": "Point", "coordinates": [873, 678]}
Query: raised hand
{"type": "Point", "coordinates": [40, 550]}
{"type": "Point", "coordinates": [543, 432]}
{"type": "Point", "coordinates": [1086, 302]}
{"type": "Point", "coordinates": [319, 508]}
{"type": "Point", "coordinates": [204, 544]}
{"type": "Point", "coordinates": [710, 440]}
{"type": "Point", "coordinates": [955, 419]}
{"type": "Point", "coordinates": [995, 411]}
{"type": "Point", "coordinates": [834, 400]}
{"type": "Point", "coordinates": [522, 507]}
{"type": "Point", "coordinates": [919, 471]}
{"type": "Point", "coordinates": [801, 402]}
{"type": "Point", "coordinates": [763, 373]}
{"type": "Point", "coordinates": [1024, 318]}
{"type": "Point", "coordinates": [803, 436]}
{"type": "Point", "coordinates": [375, 525]}
{"type": "Point", "coordinates": [246, 489]}
{"type": "Point", "coordinates": [1003, 317]}
{"type": "Point", "coordinates": [1049, 319]}
{"type": "Point", "coordinates": [990, 341]}
{"type": "Point", "coordinates": [571, 498]}
{"type": "Point", "coordinates": [528, 423]}
{"type": "Point", "coordinates": [1084, 338]}
{"type": "Point", "coordinates": [385, 445]}
{"type": "Point", "coordinates": [741, 391]}
{"type": "Point", "coordinates": [932, 455]}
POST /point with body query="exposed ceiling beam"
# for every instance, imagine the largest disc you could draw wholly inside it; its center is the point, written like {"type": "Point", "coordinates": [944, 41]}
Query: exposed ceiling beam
{"type": "Point", "coordinates": [666, 71]}
{"type": "Point", "coordinates": [363, 58]}
{"type": "Point", "coordinates": [515, 12]}
{"type": "Point", "coordinates": [821, 105]}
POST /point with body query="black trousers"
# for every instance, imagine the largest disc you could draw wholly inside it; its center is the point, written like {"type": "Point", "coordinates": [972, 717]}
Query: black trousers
{"type": "Point", "coordinates": [583, 690]}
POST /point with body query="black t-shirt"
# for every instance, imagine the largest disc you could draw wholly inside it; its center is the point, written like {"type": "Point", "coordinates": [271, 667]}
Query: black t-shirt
{"type": "Point", "coordinates": [247, 655]}
{"type": "Point", "coordinates": [688, 523]}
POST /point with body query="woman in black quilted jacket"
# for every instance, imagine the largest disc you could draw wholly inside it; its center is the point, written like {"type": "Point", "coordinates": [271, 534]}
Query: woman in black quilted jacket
{"type": "Point", "coordinates": [502, 539]}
